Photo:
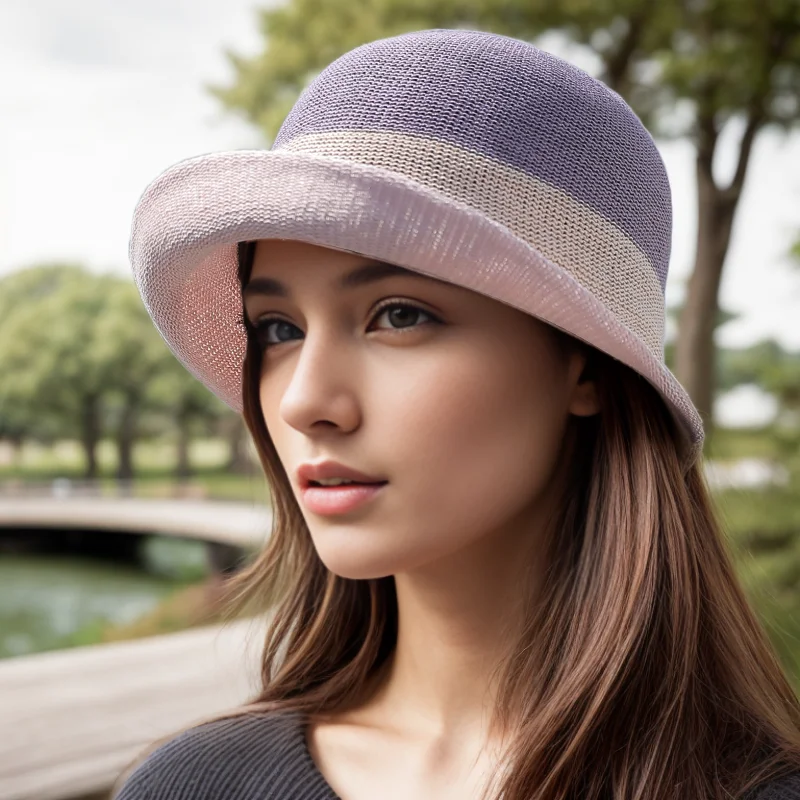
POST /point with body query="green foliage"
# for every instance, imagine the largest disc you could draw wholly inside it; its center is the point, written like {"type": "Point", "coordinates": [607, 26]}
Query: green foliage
{"type": "Point", "coordinates": [128, 346]}
{"type": "Point", "coordinates": [176, 393]}
{"type": "Point", "coordinates": [749, 365]}
{"type": "Point", "coordinates": [777, 371]}
{"type": "Point", "coordinates": [764, 526]}
{"type": "Point", "coordinates": [765, 523]}
{"type": "Point", "coordinates": [734, 444]}
{"type": "Point", "coordinates": [736, 56]}
{"type": "Point", "coordinates": [48, 372]}
{"type": "Point", "coordinates": [34, 283]}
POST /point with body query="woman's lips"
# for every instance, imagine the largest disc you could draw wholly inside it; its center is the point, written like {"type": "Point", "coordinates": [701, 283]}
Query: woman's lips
{"type": "Point", "coordinates": [331, 500]}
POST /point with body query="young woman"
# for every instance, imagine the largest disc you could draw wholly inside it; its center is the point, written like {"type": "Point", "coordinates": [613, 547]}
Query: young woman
{"type": "Point", "coordinates": [443, 288]}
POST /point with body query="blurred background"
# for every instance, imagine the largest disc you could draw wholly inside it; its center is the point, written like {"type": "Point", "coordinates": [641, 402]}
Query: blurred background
{"type": "Point", "coordinates": [128, 492]}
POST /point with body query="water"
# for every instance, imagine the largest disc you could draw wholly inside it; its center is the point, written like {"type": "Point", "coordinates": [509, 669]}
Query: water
{"type": "Point", "coordinates": [46, 599]}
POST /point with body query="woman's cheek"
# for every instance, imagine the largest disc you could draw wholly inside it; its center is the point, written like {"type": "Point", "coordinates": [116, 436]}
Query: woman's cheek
{"type": "Point", "coordinates": [471, 459]}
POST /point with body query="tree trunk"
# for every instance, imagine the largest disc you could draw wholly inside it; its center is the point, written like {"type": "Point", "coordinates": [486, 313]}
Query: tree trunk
{"type": "Point", "coordinates": [695, 353]}
{"type": "Point", "coordinates": [126, 437]}
{"type": "Point", "coordinates": [16, 441]}
{"type": "Point", "coordinates": [183, 469]}
{"type": "Point", "coordinates": [618, 64]}
{"type": "Point", "coordinates": [238, 457]}
{"type": "Point", "coordinates": [694, 348]}
{"type": "Point", "coordinates": [90, 433]}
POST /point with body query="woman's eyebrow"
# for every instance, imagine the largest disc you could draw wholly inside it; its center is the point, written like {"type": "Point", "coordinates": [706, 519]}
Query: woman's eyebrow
{"type": "Point", "coordinates": [367, 273]}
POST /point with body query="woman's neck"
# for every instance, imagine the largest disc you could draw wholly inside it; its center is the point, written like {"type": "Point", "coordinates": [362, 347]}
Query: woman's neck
{"type": "Point", "coordinates": [457, 621]}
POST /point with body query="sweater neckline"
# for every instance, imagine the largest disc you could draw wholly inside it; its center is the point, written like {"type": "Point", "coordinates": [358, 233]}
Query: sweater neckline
{"type": "Point", "coordinates": [301, 728]}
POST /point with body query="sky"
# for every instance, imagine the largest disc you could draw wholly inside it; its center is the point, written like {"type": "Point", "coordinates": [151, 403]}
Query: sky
{"type": "Point", "coordinates": [97, 98]}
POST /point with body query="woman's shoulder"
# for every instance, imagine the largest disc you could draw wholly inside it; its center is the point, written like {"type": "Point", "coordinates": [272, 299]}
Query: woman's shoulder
{"type": "Point", "coordinates": [247, 757]}
{"type": "Point", "coordinates": [784, 788]}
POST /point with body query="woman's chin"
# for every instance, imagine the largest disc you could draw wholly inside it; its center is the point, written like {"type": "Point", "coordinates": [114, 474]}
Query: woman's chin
{"type": "Point", "coordinates": [355, 565]}
{"type": "Point", "coordinates": [361, 562]}
{"type": "Point", "coordinates": [359, 572]}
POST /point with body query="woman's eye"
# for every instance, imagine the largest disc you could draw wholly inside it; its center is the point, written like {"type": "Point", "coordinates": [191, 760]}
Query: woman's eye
{"type": "Point", "coordinates": [403, 315]}
{"type": "Point", "coordinates": [274, 331]}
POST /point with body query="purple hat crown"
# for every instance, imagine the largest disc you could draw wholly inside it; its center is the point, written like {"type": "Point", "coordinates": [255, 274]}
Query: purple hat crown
{"type": "Point", "coordinates": [503, 99]}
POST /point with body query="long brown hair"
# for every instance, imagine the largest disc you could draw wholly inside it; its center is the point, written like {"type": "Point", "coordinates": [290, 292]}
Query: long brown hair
{"type": "Point", "coordinates": [642, 672]}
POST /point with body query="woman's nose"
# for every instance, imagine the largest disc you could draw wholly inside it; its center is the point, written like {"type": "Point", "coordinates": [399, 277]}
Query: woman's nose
{"type": "Point", "coordinates": [322, 391]}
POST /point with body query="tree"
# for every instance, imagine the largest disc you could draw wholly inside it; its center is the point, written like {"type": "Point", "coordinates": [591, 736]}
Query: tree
{"type": "Point", "coordinates": [689, 69]}
{"type": "Point", "coordinates": [235, 432]}
{"type": "Point", "coordinates": [188, 405]}
{"type": "Point", "coordinates": [130, 353]}
{"type": "Point", "coordinates": [674, 311]}
{"type": "Point", "coordinates": [34, 283]}
{"type": "Point", "coordinates": [49, 375]}
{"type": "Point", "coordinates": [19, 421]}
{"type": "Point", "coordinates": [777, 371]}
{"type": "Point", "coordinates": [749, 365]}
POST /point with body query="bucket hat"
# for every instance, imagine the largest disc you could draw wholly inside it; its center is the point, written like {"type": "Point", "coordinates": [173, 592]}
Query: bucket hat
{"type": "Point", "coordinates": [472, 157]}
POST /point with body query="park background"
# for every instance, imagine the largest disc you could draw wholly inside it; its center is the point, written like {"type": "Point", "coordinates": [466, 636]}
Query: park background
{"type": "Point", "coordinates": [98, 99]}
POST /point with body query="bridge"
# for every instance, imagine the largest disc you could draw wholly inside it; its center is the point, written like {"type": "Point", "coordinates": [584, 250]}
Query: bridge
{"type": "Point", "coordinates": [228, 523]}
{"type": "Point", "coordinates": [113, 527]}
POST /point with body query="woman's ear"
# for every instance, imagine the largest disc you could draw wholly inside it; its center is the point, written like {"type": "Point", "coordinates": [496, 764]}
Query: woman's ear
{"type": "Point", "coordinates": [585, 399]}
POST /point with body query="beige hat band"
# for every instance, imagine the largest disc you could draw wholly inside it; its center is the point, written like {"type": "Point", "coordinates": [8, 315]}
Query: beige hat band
{"type": "Point", "coordinates": [564, 230]}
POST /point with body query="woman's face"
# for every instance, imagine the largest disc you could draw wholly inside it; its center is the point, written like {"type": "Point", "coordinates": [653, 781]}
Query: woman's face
{"type": "Point", "coordinates": [458, 402]}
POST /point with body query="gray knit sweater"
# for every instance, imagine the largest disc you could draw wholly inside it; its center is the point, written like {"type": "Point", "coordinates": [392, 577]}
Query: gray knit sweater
{"type": "Point", "coordinates": [266, 758]}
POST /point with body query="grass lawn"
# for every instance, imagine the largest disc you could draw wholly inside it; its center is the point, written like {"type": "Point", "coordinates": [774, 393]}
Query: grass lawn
{"type": "Point", "coordinates": [732, 444]}
{"type": "Point", "coordinates": [154, 462]}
